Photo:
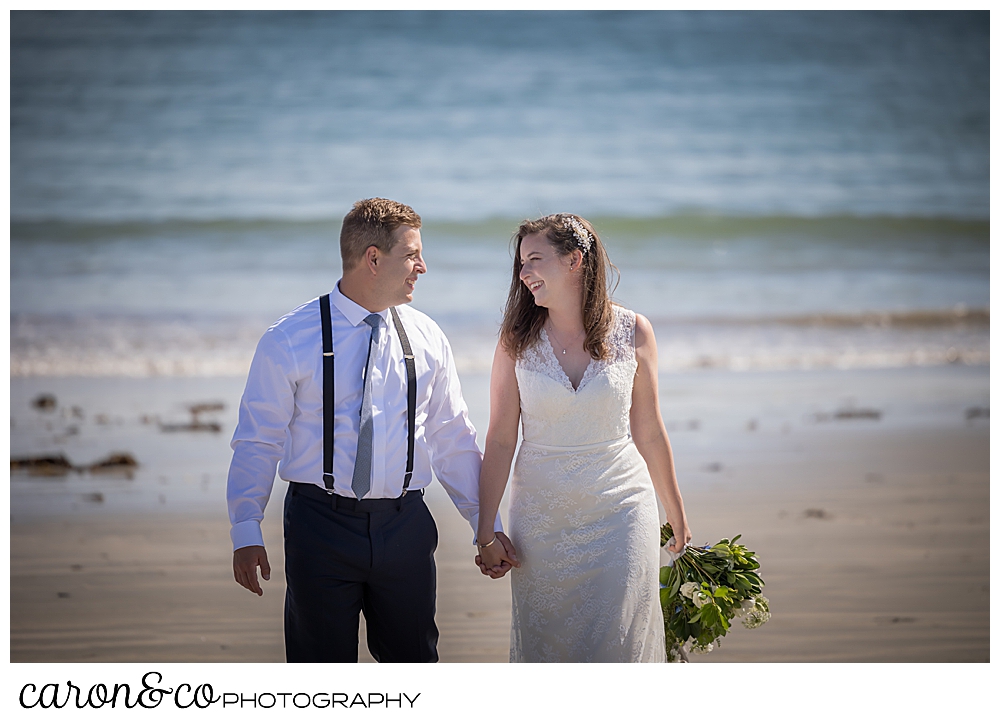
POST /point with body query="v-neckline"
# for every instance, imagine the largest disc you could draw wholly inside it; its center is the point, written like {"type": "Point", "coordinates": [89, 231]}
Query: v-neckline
{"type": "Point", "coordinates": [565, 377]}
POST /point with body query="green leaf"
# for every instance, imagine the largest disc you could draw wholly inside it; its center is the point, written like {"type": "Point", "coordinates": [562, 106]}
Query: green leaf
{"type": "Point", "coordinates": [665, 597]}
{"type": "Point", "coordinates": [675, 586]}
{"type": "Point", "coordinates": [665, 573]}
{"type": "Point", "coordinates": [709, 613]}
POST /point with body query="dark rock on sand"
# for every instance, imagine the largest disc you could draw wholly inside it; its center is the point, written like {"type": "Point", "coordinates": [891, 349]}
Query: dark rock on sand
{"type": "Point", "coordinates": [120, 461]}
{"type": "Point", "coordinates": [895, 619]}
{"type": "Point", "coordinates": [47, 466]}
{"type": "Point", "coordinates": [197, 409]}
{"type": "Point", "coordinates": [53, 465]}
{"type": "Point", "coordinates": [850, 413]}
{"type": "Point", "coordinates": [196, 424]}
{"type": "Point", "coordinates": [44, 402]}
{"type": "Point", "coordinates": [192, 427]}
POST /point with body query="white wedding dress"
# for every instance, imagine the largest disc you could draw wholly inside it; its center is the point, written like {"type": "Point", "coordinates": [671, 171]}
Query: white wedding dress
{"type": "Point", "coordinates": [583, 515]}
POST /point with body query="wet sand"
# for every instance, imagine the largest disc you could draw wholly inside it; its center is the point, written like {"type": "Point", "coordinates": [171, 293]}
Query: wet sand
{"type": "Point", "coordinates": [874, 533]}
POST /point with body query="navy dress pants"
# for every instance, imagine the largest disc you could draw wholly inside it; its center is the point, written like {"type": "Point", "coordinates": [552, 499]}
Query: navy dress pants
{"type": "Point", "coordinates": [345, 556]}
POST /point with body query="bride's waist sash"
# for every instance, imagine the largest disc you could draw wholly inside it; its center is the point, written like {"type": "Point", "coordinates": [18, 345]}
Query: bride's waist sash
{"type": "Point", "coordinates": [579, 448]}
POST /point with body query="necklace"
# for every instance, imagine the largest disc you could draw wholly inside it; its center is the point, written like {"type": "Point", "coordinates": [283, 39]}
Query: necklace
{"type": "Point", "coordinates": [552, 334]}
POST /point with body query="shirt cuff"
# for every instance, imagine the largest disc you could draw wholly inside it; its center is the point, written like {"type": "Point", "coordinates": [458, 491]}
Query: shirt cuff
{"type": "Point", "coordinates": [245, 534]}
{"type": "Point", "coordinates": [474, 521]}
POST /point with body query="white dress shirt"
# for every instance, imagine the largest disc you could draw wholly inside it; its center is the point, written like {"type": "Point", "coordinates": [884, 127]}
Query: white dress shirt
{"type": "Point", "coordinates": [281, 413]}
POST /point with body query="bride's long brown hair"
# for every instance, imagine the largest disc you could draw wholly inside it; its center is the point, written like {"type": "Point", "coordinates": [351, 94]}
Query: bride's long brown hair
{"type": "Point", "coordinates": [523, 320]}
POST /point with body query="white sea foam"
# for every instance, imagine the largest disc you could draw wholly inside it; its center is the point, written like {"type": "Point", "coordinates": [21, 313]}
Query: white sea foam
{"type": "Point", "coordinates": [193, 299]}
{"type": "Point", "coordinates": [147, 347]}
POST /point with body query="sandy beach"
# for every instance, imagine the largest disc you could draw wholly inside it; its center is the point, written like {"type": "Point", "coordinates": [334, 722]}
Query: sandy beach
{"type": "Point", "coordinates": [798, 202]}
{"type": "Point", "coordinates": [873, 533]}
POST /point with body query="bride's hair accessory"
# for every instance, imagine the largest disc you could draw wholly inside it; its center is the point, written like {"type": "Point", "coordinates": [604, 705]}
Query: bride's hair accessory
{"type": "Point", "coordinates": [580, 233]}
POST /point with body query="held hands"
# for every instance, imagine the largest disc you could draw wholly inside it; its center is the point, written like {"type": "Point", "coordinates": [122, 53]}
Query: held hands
{"type": "Point", "coordinates": [245, 563]}
{"type": "Point", "coordinates": [497, 558]}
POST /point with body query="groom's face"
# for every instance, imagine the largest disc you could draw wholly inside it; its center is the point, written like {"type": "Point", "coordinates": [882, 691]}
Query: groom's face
{"type": "Point", "coordinates": [398, 270]}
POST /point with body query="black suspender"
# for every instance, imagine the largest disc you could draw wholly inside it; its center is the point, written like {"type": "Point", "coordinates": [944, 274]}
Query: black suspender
{"type": "Point", "coordinates": [411, 395]}
{"type": "Point", "coordinates": [328, 408]}
{"type": "Point", "coordinates": [328, 395]}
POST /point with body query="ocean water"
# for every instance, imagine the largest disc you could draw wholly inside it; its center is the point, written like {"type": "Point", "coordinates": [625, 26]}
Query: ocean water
{"type": "Point", "coordinates": [192, 299]}
{"type": "Point", "coordinates": [469, 115]}
{"type": "Point", "coordinates": [779, 190]}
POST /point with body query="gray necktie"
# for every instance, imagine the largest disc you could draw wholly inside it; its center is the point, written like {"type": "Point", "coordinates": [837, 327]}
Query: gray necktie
{"type": "Point", "coordinates": [362, 480]}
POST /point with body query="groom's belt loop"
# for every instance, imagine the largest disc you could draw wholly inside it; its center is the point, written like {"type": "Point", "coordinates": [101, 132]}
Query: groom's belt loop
{"type": "Point", "coordinates": [329, 397]}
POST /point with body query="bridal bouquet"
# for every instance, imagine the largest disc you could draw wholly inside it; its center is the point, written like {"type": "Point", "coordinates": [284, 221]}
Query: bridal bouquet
{"type": "Point", "coordinates": [704, 589]}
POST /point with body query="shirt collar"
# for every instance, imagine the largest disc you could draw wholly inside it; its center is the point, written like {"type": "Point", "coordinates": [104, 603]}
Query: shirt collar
{"type": "Point", "coordinates": [353, 312]}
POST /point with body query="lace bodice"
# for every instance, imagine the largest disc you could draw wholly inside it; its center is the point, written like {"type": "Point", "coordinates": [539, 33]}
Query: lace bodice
{"type": "Point", "coordinates": [553, 413]}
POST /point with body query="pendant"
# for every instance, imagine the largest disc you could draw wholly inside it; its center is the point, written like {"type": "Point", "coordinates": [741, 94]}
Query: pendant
{"type": "Point", "coordinates": [564, 351]}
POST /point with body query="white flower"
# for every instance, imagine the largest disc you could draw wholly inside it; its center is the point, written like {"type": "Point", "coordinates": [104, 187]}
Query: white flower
{"type": "Point", "coordinates": [700, 598]}
{"type": "Point", "coordinates": [688, 589]}
{"type": "Point", "coordinates": [745, 607]}
{"type": "Point", "coordinates": [760, 614]}
{"type": "Point", "coordinates": [756, 619]}
{"type": "Point", "coordinates": [700, 649]}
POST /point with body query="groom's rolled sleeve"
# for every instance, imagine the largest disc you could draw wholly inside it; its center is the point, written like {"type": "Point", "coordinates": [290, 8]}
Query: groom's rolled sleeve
{"type": "Point", "coordinates": [258, 443]}
{"type": "Point", "coordinates": [451, 440]}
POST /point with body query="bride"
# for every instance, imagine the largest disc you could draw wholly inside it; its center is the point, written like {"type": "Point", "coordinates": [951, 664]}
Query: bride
{"type": "Point", "coordinates": [580, 373]}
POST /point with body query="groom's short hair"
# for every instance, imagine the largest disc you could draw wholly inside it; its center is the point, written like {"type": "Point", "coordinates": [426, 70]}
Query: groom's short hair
{"type": "Point", "coordinates": [371, 223]}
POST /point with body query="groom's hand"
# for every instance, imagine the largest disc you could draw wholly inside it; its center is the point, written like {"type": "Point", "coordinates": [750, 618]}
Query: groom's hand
{"type": "Point", "coordinates": [495, 572]}
{"type": "Point", "coordinates": [245, 563]}
{"type": "Point", "coordinates": [508, 559]}
{"type": "Point", "coordinates": [509, 551]}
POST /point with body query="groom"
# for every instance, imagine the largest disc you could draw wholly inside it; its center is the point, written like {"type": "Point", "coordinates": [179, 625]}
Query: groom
{"type": "Point", "coordinates": [354, 398]}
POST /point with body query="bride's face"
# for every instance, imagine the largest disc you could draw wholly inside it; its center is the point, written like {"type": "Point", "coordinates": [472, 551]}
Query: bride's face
{"type": "Point", "coordinates": [548, 276]}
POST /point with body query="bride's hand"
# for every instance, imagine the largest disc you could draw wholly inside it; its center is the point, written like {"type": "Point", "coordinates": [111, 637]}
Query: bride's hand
{"type": "Point", "coordinates": [497, 558]}
{"type": "Point", "coordinates": [682, 536]}
{"type": "Point", "coordinates": [495, 573]}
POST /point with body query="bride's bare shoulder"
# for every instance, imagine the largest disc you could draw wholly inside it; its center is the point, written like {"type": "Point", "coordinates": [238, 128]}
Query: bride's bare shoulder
{"type": "Point", "coordinates": [644, 337]}
{"type": "Point", "coordinates": [502, 359]}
